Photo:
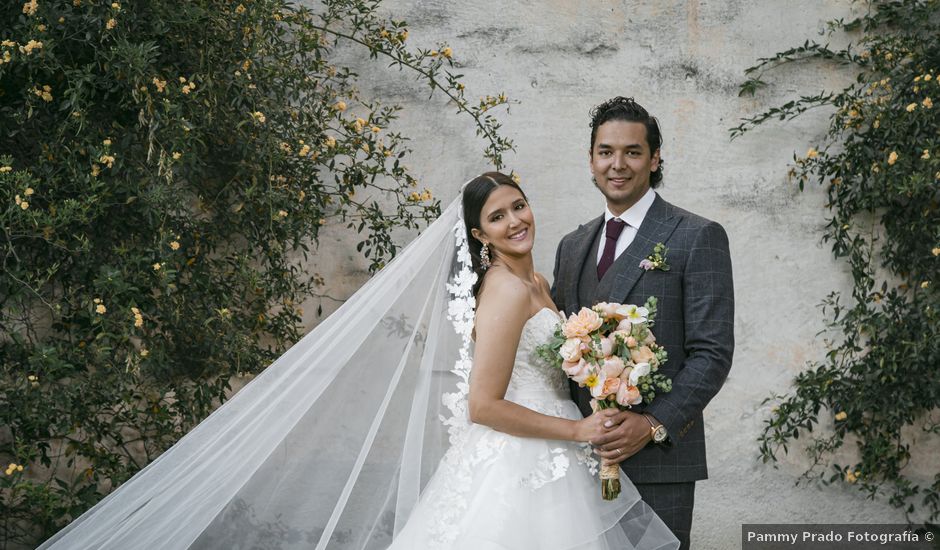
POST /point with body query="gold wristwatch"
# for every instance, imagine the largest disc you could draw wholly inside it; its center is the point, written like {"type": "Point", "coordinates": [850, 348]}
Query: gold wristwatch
{"type": "Point", "coordinates": [658, 431]}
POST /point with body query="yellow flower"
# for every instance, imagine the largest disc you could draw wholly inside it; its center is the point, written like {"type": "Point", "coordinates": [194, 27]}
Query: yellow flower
{"type": "Point", "coordinates": [29, 191]}
{"type": "Point", "coordinates": [927, 103]}
{"type": "Point", "coordinates": [812, 153]}
{"type": "Point", "coordinates": [304, 151]}
{"type": "Point", "coordinates": [8, 43]}
{"type": "Point", "coordinates": [32, 378]}
{"type": "Point", "coordinates": [101, 309]}
{"type": "Point", "coordinates": [156, 267]}
{"type": "Point", "coordinates": [433, 53]}
{"type": "Point", "coordinates": [403, 35]}
{"type": "Point", "coordinates": [175, 245]}
{"type": "Point", "coordinates": [116, 6]}
{"type": "Point", "coordinates": [936, 251]}
{"type": "Point", "coordinates": [282, 213]}
{"type": "Point", "coordinates": [877, 123]}
{"type": "Point", "coordinates": [177, 155]}
{"type": "Point", "coordinates": [516, 178]}
{"type": "Point", "coordinates": [591, 380]}
{"type": "Point", "coordinates": [376, 129]}
{"type": "Point", "coordinates": [926, 155]}
{"type": "Point", "coordinates": [41, 28]}
{"type": "Point", "coordinates": [240, 9]}
{"type": "Point", "coordinates": [95, 170]}
{"type": "Point", "coordinates": [45, 92]}
{"type": "Point", "coordinates": [107, 159]}
{"type": "Point", "coordinates": [160, 84]}
{"type": "Point", "coordinates": [892, 158]}
{"type": "Point", "coordinates": [340, 106]}
{"type": "Point", "coordinates": [910, 108]}
{"type": "Point", "coordinates": [107, 142]}
{"type": "Point", "coordinates": [928, 77]}
{"type": "Point", "coordinates": [111, 23]}
{"type": "Point", "coordinates": [925, 284]}
{"type": "Point", "coordinates": [842, 415]}
{"type": "Point", "coordinates": [29, 8]}
{"type": "Point", "coordinates": [330, 142]}
{"type": "Point", "coordinates": [259, 116]}
{"type": "Point", "coordinates": [851, 477]}
{"type": "Point", "coordinates": [322, 221]}
{"type": "Point", "coordinates": [387, 152]}
{"type": "Point", "coordinates": [447, 52]}
{"type": "Point", "coordinates": [5, 169]}
{"type": "Point", "coordinates": [97, 300]}
{"type": "Point", "coordinates": [24, 205]}
{"type": "Point", "coordinates": [144, 352]}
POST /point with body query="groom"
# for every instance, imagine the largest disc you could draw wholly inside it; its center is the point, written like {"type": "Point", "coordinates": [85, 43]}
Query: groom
{"type": "Point", "coordinates": [660, 446]}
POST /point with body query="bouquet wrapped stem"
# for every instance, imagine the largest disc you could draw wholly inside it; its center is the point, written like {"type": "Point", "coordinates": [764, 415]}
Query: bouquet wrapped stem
{"type": "Point", "coordinates": [609, 473]}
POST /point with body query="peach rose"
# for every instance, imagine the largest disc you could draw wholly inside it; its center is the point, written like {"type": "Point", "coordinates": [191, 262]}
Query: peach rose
{"type": "Point", "coordinates": [571, 350]}
{"type": "Point", "coordinates": [579, 372]}
{"type": "Point", "coordinates": [613, 366]}
{"type": "Point", "coordinates": [625, 374]}
{"type": "Point", "coordinates": [628, 395]}
{"type": "Point", "coordinates": [642, 354]}
{"type": "Point", "coordinates": [606, 386]}
{"type": "Point", "coordinates": [607, 310]}
{"type": "Point", "coordinates": [582, 324]}
{"type": "Point", "coordinates": [607, 347]}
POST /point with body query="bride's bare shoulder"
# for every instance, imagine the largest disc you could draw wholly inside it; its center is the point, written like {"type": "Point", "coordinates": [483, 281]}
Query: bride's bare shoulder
{"type": "Point", "coordinates": [502, 291]}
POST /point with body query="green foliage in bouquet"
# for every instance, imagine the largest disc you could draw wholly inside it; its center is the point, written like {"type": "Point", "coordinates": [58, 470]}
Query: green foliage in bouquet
{"type": "Point", "coordinates": [163, 167]}
{"type": "Point", "coordinates": [880, 163]}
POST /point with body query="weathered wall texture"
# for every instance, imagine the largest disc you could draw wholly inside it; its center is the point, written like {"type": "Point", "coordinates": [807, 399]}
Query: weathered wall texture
{"type": "Point", "coordinates": [683, 61]}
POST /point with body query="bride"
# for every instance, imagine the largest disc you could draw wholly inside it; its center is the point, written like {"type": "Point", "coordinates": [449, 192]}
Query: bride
{"type": "Point", "coordinates": [341, 442]}
{"type": "Point", "coordinates": [522, 475]}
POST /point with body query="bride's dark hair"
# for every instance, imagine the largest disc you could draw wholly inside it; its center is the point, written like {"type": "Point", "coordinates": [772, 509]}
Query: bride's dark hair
{"type": "Point", "coordinates": [475, 194]}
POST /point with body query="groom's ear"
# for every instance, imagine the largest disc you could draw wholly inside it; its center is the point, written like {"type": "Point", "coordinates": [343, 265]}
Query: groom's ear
{"type": "Point", "coordinates": [654, 161]}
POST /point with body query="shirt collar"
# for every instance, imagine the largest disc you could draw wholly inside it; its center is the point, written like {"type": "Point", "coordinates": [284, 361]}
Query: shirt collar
{"type": "Point", "coordinates": [636, 213]}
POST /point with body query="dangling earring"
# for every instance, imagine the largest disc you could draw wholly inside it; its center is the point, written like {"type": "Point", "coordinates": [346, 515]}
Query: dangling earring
{"type": "Point", "coordinates": [485, 256]}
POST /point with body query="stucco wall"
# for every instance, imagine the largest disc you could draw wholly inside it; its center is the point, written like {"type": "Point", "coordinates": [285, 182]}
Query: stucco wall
{"type": "Point", "coordinates": [683, 61]}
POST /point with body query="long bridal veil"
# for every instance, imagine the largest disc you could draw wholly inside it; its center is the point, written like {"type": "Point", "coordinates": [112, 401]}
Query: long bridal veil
{"type": "Point", "coordinates": [329, 446]}
{"type": "Point", "coordinates": [332, 444]}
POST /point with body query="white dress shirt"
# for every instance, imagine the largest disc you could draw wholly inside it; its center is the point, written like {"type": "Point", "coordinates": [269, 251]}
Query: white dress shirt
{"type": "Point", "coordinates": [633, 216]}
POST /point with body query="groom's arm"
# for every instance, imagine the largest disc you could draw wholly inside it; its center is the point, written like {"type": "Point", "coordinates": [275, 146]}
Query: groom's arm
{"type": "Point", "coordinates": [708, 311]}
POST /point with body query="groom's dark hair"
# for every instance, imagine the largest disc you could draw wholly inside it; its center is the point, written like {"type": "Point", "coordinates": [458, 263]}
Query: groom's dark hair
{"type": "Point", "coordinates": [628, 110]}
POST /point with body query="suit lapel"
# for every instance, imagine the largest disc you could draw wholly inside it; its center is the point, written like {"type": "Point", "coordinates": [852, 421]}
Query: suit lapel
{"type": "Point", "coordinates": [582, 251]}
{"type": "Point", "coordinates": [657, 226]}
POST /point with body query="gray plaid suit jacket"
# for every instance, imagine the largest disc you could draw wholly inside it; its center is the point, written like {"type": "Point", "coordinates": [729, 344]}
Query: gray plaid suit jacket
{"type": "Point", "coordinates": [694, 321]}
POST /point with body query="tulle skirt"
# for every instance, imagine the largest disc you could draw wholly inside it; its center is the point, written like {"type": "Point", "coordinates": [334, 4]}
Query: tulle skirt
{"type": "Point", "coordinates": [494, 491]}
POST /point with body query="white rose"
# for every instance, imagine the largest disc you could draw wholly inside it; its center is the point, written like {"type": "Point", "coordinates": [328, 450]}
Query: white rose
{"type": "Point", "coordinates": [571, 350]}
{"type": "Point", "coordinates": [639, 370]}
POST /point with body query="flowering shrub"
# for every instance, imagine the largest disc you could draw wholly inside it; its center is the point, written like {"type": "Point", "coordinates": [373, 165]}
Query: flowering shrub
{"type": "Point", "coordinates": [163, 165]}
{"type": "Point", "coordinates": [879, 163]}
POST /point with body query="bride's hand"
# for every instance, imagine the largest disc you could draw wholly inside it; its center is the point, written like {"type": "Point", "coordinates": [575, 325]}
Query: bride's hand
{"type": "Point", "coordinates": [593, 427]}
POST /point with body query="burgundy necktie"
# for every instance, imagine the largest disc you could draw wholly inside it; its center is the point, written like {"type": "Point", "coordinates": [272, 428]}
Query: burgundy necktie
{"type": "Point", "coordinates": [614, 228]}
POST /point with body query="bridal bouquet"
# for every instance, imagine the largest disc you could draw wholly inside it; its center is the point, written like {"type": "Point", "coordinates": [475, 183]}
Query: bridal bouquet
{"type": "Point", "coordinates": [610, 350]}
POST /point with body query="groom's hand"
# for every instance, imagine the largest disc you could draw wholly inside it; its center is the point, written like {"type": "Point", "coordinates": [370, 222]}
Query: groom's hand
{"type": "Point", "coordinates": [620, 443]}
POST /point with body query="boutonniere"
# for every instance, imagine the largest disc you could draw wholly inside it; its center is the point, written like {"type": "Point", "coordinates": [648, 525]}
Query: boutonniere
{"type": "Point", "coordinates": [656, 260]}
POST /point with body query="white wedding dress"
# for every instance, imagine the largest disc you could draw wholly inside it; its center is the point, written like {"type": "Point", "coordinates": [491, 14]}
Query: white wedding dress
{"type": "Point", "coordinates": [494, 491]}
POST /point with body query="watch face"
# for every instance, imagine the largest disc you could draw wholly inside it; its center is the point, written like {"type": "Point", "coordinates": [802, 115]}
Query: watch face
{"type": "Point", "coordinates": [659, 435]}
